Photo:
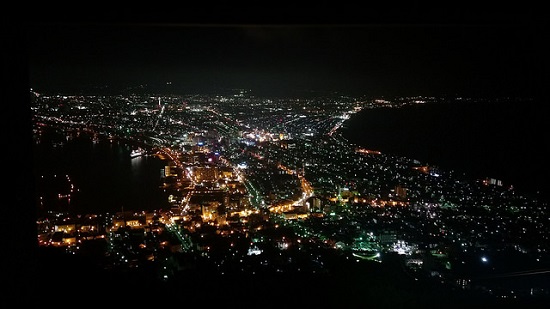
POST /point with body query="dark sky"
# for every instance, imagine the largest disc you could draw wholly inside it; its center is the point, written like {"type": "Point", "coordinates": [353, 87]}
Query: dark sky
{"type": "Point", "coordinates": [477, 56]}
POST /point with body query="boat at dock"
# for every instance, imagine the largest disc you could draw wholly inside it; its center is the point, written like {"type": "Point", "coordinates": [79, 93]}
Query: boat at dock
{"type": "Point", "coordinates": [138, 152]}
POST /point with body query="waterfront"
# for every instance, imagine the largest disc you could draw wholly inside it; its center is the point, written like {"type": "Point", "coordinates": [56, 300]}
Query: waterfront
{"type": "Point", "coordinates": [501, 139]}
{"type": "Point", "coordinates": [106, 178]}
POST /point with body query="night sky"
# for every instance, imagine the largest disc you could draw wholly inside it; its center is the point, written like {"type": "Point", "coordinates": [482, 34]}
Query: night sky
{"type": "Point", "coordinates": [482, 55]}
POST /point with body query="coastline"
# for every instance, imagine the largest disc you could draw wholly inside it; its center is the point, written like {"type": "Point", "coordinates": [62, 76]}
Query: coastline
{"type": "Point", "coordinates": [104, 175]}
{"type": "Point", "coordinates": [470, 138]}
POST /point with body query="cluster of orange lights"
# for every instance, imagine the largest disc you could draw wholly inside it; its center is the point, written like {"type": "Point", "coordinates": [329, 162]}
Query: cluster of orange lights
{"type": "Point", "coordinates": [423, 169]}
{"type": "Point", "coordinates": [367, 151]}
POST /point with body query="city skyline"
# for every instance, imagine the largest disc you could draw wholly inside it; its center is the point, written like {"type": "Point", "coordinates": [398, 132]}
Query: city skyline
{"type": "Point", "coordinates": [496, 55]}
{"type": "Point", "coordinates": [269, 189]}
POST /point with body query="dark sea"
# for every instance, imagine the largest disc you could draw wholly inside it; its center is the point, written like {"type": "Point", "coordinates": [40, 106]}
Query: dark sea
{"type": "Point", "coordinates": [104, 176]}
{"type": "Point", "coordinates": [504, 140]}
